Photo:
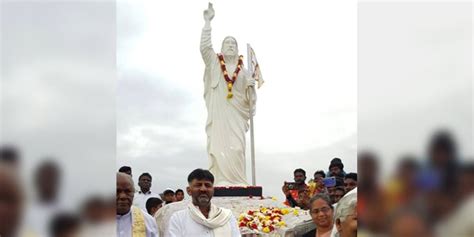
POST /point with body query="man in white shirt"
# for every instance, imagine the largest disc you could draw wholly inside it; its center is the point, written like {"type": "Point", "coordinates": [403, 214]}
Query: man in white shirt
{"type": "Point", "coordinates": [48, 200]}
{"type": "Point", "coordinates": [131, 221]}
{"type": "Point", "coordinates": [144, 182]}
{"type": "Point", "coordinates": [201, 218]}
{"type": "Point", "coordinates": [169, 196]}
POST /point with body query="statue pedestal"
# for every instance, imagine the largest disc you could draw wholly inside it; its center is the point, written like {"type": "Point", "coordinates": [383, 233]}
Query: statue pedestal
{"type": "Point", "coordinates": [248, 191]}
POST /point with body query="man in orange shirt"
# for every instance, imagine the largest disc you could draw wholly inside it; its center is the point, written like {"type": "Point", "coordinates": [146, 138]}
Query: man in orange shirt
{"type": "Point", "coordinates": [291, 189]}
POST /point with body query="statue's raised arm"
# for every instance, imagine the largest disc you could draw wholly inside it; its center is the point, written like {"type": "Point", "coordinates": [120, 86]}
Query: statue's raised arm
{"type": "Point", "coordinates": [206, 43]}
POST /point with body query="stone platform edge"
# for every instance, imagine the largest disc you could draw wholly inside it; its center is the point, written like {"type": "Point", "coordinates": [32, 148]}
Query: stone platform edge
{"type": "Point", "coordinates": [236, 191]}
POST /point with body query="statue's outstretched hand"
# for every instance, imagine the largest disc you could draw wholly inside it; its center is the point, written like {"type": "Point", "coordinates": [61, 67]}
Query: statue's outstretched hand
{"type": "Point", "coordinates": [209, 13]}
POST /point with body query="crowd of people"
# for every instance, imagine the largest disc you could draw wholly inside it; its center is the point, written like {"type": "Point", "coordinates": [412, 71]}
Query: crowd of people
{"type": "Point", "coordinates": [41, 211]}
{"type": "Point", "coordinates": [424, 197]}
{"type": "Point", "coordinates": [133, 211]}
{"type": "Point", "coordinates": [335, 183]}
{"type": "Point", "coordinates": [427, 195]}
{"type": "Point", "coordinates": [322, 195]}
{"type": "Point", "coordinates": [147, 200]}
{"type": "Point", "coordinates": [137, 211]}
{"type": "Point", "coordinates": [430, 196]}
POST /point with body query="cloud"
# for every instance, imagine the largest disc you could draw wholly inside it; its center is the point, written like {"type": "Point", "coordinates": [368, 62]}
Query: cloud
{"type": "Point", "coordinates": [148, 99]}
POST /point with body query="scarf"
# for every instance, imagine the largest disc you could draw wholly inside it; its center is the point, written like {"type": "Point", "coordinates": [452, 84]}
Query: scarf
{"type": "Point", "coordinates": [218, 219]}
{"type": "Point", "coordinates": [138, 220]}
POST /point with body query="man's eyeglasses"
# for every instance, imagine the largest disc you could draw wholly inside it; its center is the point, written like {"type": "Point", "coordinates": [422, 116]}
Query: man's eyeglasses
{"type": "Point", "coordinates": [325, 210]}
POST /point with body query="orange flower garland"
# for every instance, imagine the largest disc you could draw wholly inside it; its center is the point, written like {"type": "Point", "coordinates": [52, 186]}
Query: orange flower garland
{"type": "Point", "coordinates": [230, 82]}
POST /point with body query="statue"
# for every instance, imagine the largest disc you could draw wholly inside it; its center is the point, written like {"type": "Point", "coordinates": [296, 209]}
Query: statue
{"type": "Point", "coordinates": [229, 95]}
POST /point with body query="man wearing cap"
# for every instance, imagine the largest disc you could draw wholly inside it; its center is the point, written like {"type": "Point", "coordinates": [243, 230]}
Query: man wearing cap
{"type": "Point", "coordinates": [336, 168]}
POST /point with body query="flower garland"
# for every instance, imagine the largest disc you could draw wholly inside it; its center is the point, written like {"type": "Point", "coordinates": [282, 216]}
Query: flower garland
{"type": "Point", "coordinates": [230, 82]}
{"type": "Point", "coordinates": [265, 219]}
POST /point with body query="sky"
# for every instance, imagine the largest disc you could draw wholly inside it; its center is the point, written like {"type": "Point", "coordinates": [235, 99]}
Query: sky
{"type": "Point", "coordinates": [306, 110]}
{"type": "Point", "coordinates": [414, 77]}
{"type": "Point", "coordinates": [339, 76]}
{"type": "Point", "coordinates": [58, 84]}
{"type": "Point", "coordinates": [97, 85]}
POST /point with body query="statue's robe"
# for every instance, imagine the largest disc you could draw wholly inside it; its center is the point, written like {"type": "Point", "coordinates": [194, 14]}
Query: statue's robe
{"type": "Point", "coordinates": [227, 119]}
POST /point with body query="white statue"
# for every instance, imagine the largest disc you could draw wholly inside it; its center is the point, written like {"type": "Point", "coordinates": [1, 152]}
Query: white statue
{"type": "Point", "coordinates": [227, 93]}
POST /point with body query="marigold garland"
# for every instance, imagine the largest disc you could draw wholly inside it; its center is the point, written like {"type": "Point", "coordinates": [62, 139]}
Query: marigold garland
{"type": "Point", "coordinates": [230, 82]}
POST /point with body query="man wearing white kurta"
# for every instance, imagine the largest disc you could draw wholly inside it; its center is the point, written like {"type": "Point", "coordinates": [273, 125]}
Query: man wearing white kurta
{"type": "Point", "coordinates": [201, 218]}
{"type": "Point", "coordinates": [132, 221]}
{"type": "Point", "coordinates": [228, 107]}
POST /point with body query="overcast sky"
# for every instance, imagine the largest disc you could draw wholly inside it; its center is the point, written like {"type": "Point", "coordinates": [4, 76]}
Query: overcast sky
{"type": "Point", "coordinates": [306, 110]}
{"type": "Point", "coordinates": [384, 75]}
{"type": "Point", "coordinates": [414, 76]}
{"type": "Point", "coordinates": [411, 72]}
{"type": "Point", "coordinates": [58, 90]}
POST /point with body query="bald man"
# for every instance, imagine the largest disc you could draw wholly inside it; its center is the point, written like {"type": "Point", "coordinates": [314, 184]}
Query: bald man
{"type": "Point", "coordinates": [131, 219]}
{"type": "Point", "coordinates": [11, 201]}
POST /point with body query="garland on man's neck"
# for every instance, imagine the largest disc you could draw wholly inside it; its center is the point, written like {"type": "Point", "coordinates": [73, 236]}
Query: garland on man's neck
{"type": "Point", "coordinates": [230, 82]}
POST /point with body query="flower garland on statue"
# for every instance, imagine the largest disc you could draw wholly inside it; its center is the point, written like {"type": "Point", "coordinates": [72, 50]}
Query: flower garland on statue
{"type": "Point", "coordinates": [230, 82]}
